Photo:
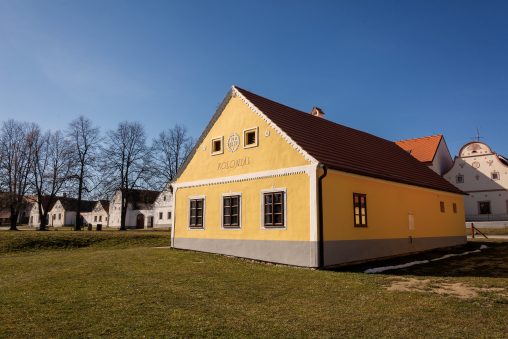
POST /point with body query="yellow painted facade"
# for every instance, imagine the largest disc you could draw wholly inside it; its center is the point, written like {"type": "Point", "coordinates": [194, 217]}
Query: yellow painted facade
{"type": "Point", "coordinates": [389, 205]}
{"type": "Point", "coordinates": [273, 152]}
{"type": "Point", "coordinates": [275, 163]}
{"type": "Point", "coordinates": [297, 193]}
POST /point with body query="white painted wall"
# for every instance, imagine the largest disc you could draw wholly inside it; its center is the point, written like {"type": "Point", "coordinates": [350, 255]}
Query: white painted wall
{"type": "Point", "coordinates": [442, 160]}
{"type": "Point", "coordinates": [476, 163]}
{"type": "Point", "coordinates": [115, 208]}
{"type": "Point", "coordinates": [163, 207]}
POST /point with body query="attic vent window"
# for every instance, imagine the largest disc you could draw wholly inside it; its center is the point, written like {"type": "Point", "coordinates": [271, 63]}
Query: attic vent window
{"type": "Point", "coordinates": [459, 179]}
{"type": "Point", "coordinates": [217, 146]}
{"type": "Point", "coordinates": [495, 175]}
{"type": "Point", "coordinates": [250, 137]}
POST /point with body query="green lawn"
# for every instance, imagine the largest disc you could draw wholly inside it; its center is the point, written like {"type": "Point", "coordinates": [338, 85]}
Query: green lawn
{"type": "Point", "coordinates": [121, 286]}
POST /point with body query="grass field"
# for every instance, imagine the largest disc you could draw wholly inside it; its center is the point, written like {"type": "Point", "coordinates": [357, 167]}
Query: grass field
{"type": "Point", "coordinates": [117, 284]}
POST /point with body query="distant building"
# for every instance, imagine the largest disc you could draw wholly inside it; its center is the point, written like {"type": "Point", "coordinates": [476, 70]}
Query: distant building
{"type": "Point", "coordinates": [483, 174]}
{"type": "Point", "coordinates": [139, 210]}
{"type": "Point", "coordinates": [63, 212]}
{"type": "Point", "coordinates": [99, 215]}
{"type": "Point", "coordinates": [431, 150]}
{"type": "Point", "coordinates": [163, 209]}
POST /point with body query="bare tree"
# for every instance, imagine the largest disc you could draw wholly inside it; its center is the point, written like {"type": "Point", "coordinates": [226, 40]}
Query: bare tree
{"type": "Point", "coordinates": [128, 165]}
{"type": "Point", "coordinates": [170, 150]}
{"type": "Point", "coordinates": [17, 142]}
{"type": "Point", "coordinates": [52, 169]}
{"type": "Point", "coordinates": [84, 141]}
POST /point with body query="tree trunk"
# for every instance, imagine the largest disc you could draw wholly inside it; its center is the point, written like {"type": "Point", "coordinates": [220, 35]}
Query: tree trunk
{"type": "Point", "coordinates": [14, 219]}
{"type": "Point", "coordinates": [123, 213]}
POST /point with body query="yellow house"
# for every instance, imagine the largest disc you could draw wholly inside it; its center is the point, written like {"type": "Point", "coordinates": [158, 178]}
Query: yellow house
{"type": "Point", "coordinates": [272, 183]}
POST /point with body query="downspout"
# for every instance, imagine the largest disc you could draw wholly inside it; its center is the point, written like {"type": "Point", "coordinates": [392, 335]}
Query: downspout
{"type": "Point", "coordinates": [321, 254]}
{"type": "Point", "coordinates": [173, 217]}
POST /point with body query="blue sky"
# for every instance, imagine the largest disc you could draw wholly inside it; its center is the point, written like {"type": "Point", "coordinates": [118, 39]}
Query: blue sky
{"type": "Point", "coordinates": [397, 69]}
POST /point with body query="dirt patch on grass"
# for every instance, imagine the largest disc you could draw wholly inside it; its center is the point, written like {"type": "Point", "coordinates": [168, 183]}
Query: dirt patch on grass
{"type": "Point", "coordinates": [458, 289]}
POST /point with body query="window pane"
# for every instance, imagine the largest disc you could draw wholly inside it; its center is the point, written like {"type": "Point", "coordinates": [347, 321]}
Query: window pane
{"type": "Point", "coordinates": [277, 219]}
{"type": "Point", "coordinates": [364, 221]}
{"type": "Point", "coordinates": [277, 197]}
{"type": "Point", "coordinates": [268, 198]}
{"type": "Point", "coordinates": [268, 219]}
{"type": "Point", "coordinates": [234, 210]}
{"type": "Point", "coordinates": [234, 220]}
{"type": "Point", "coordinates": [357, 219]}
{"type": "Point", "coordinates": [268, 208]}
{"type": "Point", "coordinates": [277, 208]}
{"type": "Point", "coordinates": [227, 220]}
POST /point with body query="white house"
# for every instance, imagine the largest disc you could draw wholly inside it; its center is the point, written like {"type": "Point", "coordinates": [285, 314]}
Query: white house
{"type": "Point", "coordinates": [140, 213]}
{"type": "Point", "coordinates": [431, 150]}
{"type": "Point", "coordinates": [99, 214]}
{"type": "Point", "coordinates": [482, 174]}
{"type": "Point", "coordinates": [162, 209]}
{"type": "Point", "coordinates": [63, 212]}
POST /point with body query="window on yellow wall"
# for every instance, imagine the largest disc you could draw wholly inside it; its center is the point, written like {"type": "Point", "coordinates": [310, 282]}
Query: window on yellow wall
{"type": "Point", "coordinates": [360, 209]}
{"type": "Point", "coordinates": [442, 206]}
{"type": "Point", "coordinates": [273, 210]}
{"type": "Point", "coordinates": [231, 211]}
{"type": "Point", "coordinates": [217, 146]}
{"type": "Point", "coordinates": [196, 213]}
{"type": "Point", "coordinates": [454, 206]}
{"type": "Point", "coordinates": [250, 137]}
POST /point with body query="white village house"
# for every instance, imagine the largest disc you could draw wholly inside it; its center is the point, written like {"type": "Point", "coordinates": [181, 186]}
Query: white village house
{"type": "Point", "coordinates": [140, 210]}
{"type": "Point", "coordinates": [99, 215]}
{"type": "Point", "coordinates": [163, 209]}
{"type": "Point", "coordinates": [63, 212]}
{"type": "Point", "coordinates": [483, 174]}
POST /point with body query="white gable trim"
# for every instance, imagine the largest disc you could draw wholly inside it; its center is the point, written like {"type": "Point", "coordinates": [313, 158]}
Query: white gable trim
{"type": "Point", "coordinates": [307, 156]}
{"type": "Point", "coordinates": [309, 170]}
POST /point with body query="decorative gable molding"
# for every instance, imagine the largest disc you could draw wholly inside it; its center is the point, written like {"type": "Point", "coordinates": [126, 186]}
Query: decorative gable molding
{"type": "Point", "coordinates": [307, 156]}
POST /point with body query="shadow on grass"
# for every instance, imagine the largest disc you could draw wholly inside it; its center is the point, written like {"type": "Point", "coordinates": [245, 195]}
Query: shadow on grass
{"type": "Point", "coordinates": [491, 262]}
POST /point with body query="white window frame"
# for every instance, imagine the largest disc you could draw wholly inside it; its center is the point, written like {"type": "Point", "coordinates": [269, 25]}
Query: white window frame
{"type": "Point", "coordinates": [256, 130]}
{"type": "Point", "coordinates": [221, 138]}
{"type": "Point", "coordinates": [262, 208]}
{"type": "Point", "coordinates": [231, 194]}
{"type": "Point", "coordinates": [194, 197]}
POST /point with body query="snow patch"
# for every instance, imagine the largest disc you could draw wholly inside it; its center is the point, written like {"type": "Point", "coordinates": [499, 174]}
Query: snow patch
{"type": "Point", "coordinates": [413, 263]}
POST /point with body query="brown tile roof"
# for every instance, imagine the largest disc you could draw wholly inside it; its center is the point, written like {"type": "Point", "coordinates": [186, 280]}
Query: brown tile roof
{"type": "Point", "coordinates": [71, 204]}
{"type": "Point", "coordinates": [423, 149]}
{"type": "Point", "coordinates": [138, 197]}
{"type": "Point", "coordinates": [105, 205]}
{"type": "Point", "coordinates": [349, 150]}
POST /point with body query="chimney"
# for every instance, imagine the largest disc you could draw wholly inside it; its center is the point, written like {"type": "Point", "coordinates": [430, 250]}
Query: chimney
{"type": "Point", "coordinates": [317, 112]}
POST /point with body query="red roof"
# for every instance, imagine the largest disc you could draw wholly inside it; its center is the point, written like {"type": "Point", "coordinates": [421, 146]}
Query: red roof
{"type": "Point", "coordinates": [423, 149]}
{"type": "Point", "coordinates": [349, 150]}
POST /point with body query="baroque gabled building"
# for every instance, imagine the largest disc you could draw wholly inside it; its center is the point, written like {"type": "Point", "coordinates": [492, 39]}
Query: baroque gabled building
{"type": "Point", "coordinates": [483, 175]}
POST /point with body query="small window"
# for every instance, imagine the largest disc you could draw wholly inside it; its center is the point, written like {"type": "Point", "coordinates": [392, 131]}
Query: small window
{"type": "Point", "coordinates": [495, 176]}
{"type": "Point", "coordinates": [95, 218]}
{"type": "Point", "coordinates": [217, 146]}
{"type": "Point", "coordinates": [360, 209]}
{"type": "Point", "coordinates": [100, 217]}
{"type": "Point", "coordinates": [250, 137]}
{"type": "Point", "coordinates": [169, 215]}
{"type": "Point", "coordinates": [273, 211]}
{"type": "Point", "coordinates": [164, 198]}
{"type": "Point", "coordinates": [454, 206]}
{"type": "Point", "coordinates": [231, 211]}
{"type": "Point", "coordinates": [59, 216]}
{"type": "Point", "coordinates": [196, 213]}
{"type": "Point", "coordinates": [442, 206]}
{"type": "Point", "coordinates": [459, 179]}
{"type": "Point", "coordinates": [160, 215]}
{"type": "Point", "coordinates": [483, 207]}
